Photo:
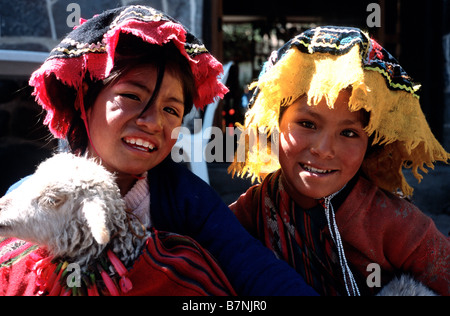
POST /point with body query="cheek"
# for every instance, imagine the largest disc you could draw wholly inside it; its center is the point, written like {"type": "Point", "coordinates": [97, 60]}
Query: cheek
{"type": "Point", "coordinates": [174, 132]}
{"type": "Point", "coordinates": [104, 117]}
{"type": "Point", "coordinates": [96, 116]}
{"type": "Point", "coordinates": [284, 150]}
{"type": "Point", "coordinates": [290, 148]}
{"type": "Point", "coordinates": [113, 112]}
{"type": "Point", "coordinates": [291, 143]}
{"type": "Point", "coordinates": [353, 156]}
{"type": "Point", "coordinates": [106, 107]}
{"type": "Point", "coordinates": [171, 142]}
{"type": "Point", "coordinates": [171, 133]}
{"type": "Point", "coordinates": [284, 143]}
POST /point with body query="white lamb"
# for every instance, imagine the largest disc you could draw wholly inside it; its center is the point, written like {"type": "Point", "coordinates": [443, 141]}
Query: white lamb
{"type": "Point", "coordinates": [73, 207]}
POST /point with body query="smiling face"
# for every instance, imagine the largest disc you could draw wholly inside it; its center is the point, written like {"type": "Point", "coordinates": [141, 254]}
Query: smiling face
{"type": "Point", "coordinates": [128, 140]}
{"type": "Point", "coordinates": [321, 149]}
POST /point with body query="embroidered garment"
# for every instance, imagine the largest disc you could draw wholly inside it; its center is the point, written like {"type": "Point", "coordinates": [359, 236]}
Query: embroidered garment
{"type": "Point", "coordinates": [170, 265]}
{"type": "Point", "coordinates": [375, 227]}
{"type": "Point", "coordinates": [321, 62]}
{"type": "Point", "coordinates": [177, 265]}
{"type": "Point", "coordinates": [16, 277]}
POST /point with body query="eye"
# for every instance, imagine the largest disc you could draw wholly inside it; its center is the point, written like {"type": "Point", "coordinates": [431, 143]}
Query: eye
{"type": "Point", "coordinates": [51, 200]}
{"type": "Point", "coordinates": [349, 133]}
{"type": "Point", "coordinates": [307, 124]}
{"type": "Point", "coordinates": [172, 110]}
{"type": "Point", "coordinates": [130, 96]}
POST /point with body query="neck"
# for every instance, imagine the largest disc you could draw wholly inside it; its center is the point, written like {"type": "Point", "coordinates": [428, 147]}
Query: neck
{"type": "Point", "coordinates": [125, 182]}
{"type": "Point", "coordinates": [305, 202]}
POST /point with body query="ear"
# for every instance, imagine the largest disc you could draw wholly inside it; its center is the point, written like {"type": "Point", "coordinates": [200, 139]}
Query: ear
{"type": "Point", "coordinates": [95, 215]}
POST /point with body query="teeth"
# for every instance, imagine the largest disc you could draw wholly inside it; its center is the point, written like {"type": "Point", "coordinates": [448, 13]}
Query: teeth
{"type": "Point", "coordinates": [139, 142]}
{"type": "Point", "coordinates": [312, 169]}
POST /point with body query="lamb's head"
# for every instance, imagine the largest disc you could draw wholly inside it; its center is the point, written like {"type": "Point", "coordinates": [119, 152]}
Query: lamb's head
{"type": "Point", "coordinates": [68, 205]}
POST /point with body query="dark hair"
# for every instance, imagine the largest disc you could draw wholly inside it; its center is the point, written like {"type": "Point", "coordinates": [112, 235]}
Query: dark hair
{"type": "Point", "coordinates": [130, 52]}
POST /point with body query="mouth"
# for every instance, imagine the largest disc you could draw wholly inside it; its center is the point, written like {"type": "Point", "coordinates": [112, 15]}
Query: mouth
{"type": "Point", "coordinates": [318, 171]}
{"type": "Point", "coordinates": [140, 144]}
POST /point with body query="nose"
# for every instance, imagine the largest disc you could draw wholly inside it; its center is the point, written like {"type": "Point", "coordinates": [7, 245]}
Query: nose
{"type": "Point", "coordinates": [151, 119]}
{"type": "Point", "coordinates": [323, 146]}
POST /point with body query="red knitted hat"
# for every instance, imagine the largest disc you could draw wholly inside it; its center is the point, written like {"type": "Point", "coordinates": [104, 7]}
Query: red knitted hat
{"type": "Point", "coordinates": [90, 48]}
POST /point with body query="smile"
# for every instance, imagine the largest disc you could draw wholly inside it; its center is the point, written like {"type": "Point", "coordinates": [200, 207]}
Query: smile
{"type": "Point", "coordinates": [315, 170]}
{"type": "Point", "coordinates": [140, 144]}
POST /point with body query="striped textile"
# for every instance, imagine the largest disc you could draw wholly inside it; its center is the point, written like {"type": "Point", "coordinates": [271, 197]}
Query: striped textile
{"type": "Point", "coordinates": [16, 276]}
{"type": "Point", "coordinates": [13, 250]}
{"type": "Point", "coordinates": [170, 265]}
{"type": "Point", "coordinates": [300, 237]}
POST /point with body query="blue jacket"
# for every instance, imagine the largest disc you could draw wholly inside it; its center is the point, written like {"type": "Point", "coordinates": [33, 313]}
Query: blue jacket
{"type": "Point", "coordinates": [181, 202]}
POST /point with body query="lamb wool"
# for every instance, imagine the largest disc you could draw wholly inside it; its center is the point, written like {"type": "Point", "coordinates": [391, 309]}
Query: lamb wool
{"type": "Point", "coordinates": [73, 206]}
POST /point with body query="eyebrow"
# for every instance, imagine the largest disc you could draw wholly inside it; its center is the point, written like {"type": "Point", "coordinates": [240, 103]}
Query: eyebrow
{"type": "Point", "coordinates": [175, 99]}
{"type": "Point", "coordinates": [316, 115]}
{"type": "Point", "coordinates": [142, 86]}
{"type": "Point", "coordinates": [351, 122]}
{"type": "Point", "coordinates": [136, 84]}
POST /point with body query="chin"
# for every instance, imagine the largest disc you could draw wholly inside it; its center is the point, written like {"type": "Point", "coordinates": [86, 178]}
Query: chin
{"type": "Point", "coordinates": [130, 171]}
{"type": "Point", "coordinates": [318, 193]}
{"type": "Point", "coordinates": [138, 166]}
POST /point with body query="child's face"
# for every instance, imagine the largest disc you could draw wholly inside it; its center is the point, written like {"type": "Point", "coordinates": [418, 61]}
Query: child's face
{"type": "Point", "coordinates": [321, 149]}
{"type": "Point", "coordinates": [129, 143]}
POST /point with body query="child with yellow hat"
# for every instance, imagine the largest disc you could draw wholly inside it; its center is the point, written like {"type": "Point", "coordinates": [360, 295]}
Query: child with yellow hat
{"type": "Point", "coordinates": [342, 119]}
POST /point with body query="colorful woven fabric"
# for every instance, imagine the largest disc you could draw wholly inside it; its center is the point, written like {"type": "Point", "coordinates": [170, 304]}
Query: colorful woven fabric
{"type": "Point", "coordinates": [90, 48]}
{"type": "Point", "coordinates": [16, 276]}
{"type": "Point", "coordinates": [321, 62]}
{"type": "Point", "coordinates": [339, 41]}
{"type": "Point", "coordinates": [170, 265]}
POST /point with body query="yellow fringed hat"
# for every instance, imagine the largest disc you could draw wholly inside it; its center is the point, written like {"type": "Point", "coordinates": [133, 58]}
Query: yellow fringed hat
{"type": "Point", "coordinates": [321, 62]}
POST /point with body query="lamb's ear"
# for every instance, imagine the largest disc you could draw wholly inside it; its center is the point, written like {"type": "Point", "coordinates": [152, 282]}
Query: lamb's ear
{"type": "Point", "coordinates": [95, 215]}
